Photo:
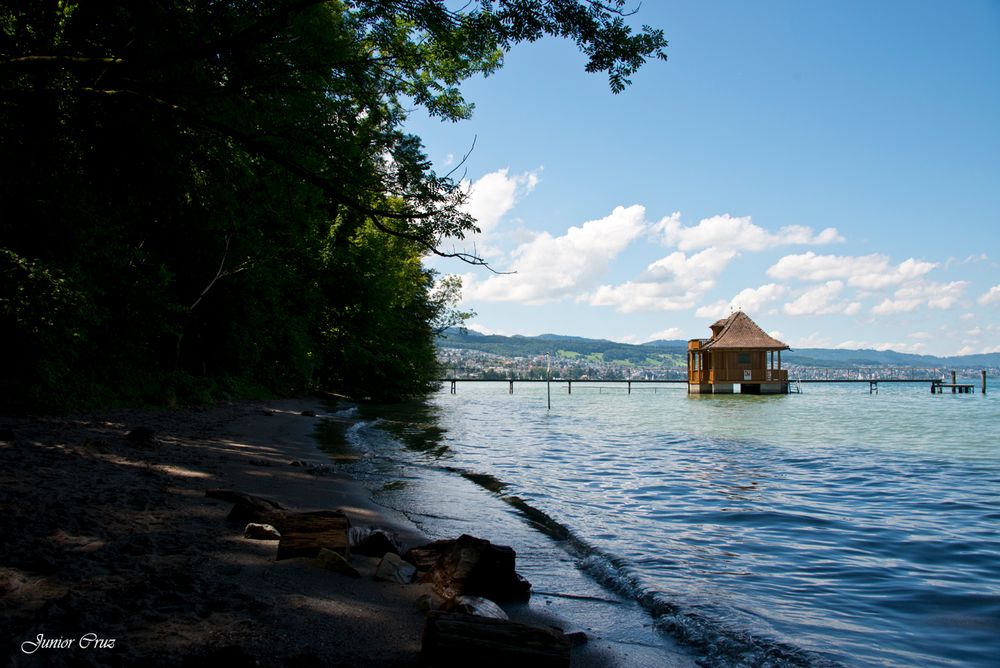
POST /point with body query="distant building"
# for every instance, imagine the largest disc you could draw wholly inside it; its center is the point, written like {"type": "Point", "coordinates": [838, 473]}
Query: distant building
{"type": "Point", "coordinates": [739, 352]}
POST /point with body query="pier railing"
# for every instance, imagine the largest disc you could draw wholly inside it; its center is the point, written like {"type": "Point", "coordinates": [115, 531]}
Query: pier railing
{"type": "Point", "coordinates": [739, 376]}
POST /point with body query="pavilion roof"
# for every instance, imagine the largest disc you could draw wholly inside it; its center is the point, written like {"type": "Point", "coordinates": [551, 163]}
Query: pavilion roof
{"type": "Point", "coordinates": [739, 332]}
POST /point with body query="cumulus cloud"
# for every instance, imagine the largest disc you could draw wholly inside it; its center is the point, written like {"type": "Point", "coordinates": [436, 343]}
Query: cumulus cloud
{"type": "Point", "coordinates": [666, 334]}
{"type": "Point", "coordinates": [483, 329]}
{"type": "Point", "coordinates": [867, 272]}
{"type": "Point", "coordinates": [751, 300]}
{"type": "Point", "coordinates": [550, 268]}
{"type": "Point", "coordinates": [672, 283]}
{"type": "Point", "coordinates": [934, 295]}
{"type": "Point", "coordinates": [813, 340]}
{"type": "Point", "coordinates": [737, 233]}
{"type": "Point", "coordinates": [991, 296]}
{"type": "Point", "coordinates": [822, 300]}
{"type": "Point", "coordinates": [492, 195]}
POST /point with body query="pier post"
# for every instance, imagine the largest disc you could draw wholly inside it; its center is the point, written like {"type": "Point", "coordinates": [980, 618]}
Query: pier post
{"type": "Point", "coordinates": [984, 381]}
{"type": "Point", "coordinates": [630, 387]}
{"type": "Point", "coordinates": [511, 386]}
{"type": "Point", "coordinates": [953, 382]}
{"type": "Point", "coordinates": [453, 387]}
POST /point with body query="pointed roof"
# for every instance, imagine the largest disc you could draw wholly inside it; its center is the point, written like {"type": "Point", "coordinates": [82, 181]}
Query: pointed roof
{"type": "Point", "coordinates": [739, 332]}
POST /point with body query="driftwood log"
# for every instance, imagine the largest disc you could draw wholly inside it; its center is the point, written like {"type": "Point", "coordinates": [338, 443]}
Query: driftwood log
{"type": "Point", "coordinates": [456, 639]}
{"type": "Point", "coordinates": [305, 534]}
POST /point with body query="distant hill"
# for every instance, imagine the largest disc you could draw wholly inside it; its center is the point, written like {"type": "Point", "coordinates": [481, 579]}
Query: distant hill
{"type": "Point", "coordinates": [555, 344]}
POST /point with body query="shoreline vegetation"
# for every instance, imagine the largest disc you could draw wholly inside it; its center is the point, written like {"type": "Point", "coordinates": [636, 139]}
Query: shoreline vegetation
{"type": "Point", "coordinates": [114, 555]}
{"type": "Point", "coordinates": [215, 204]}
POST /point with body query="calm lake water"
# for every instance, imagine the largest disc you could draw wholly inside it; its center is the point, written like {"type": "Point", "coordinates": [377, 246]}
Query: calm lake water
{"type": "Point", "coordinates": [832, 527]}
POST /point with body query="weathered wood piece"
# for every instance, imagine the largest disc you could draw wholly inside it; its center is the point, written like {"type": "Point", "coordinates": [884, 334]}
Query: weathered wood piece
{"type": "Point", "coordinates": [456, 639]}
{"type": "Point", "coordinates": [474, 605]}
{"type": "Point", "coordinates": [305, 534]}
{"type": "Point", "coordinates": [471, 566]}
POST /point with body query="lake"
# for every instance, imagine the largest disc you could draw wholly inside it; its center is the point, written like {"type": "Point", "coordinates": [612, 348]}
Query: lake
{"type": "Point", "coordinates": [831, 527]}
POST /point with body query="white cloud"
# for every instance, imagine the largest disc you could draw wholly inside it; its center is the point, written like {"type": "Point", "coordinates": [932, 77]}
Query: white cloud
{"type": "Point", "coordinates": [737, 233]}
{"type": "Point", "coordinates": [822, 300]}
{"type": "Point", "coordinates": [750, 300]}
{"type": "Point", "coordinates": [667, 334]}
{"type": "Point", "coordinates": [492, 195]}
{"type": "Point", "coordinates": [483, 329]}
{"type": "Point", "coordinates": [868, 272]}
{"type": "Point", "coordinates": [889, 306]}
{"type": "Point", "coordinates": [899, 347]}
{"type": "Point", "coordinates": [934, 295]}
{"type": "Point", "coordinates": [992, 296]}
{"type": "Point", "coordinates": [633, 296]}
{"type": "Point", "coordinates": [672, 283]}
{"type": "Point", "coordinates": [554, 268]}
{"type": "Point", "coordinates": [813, 340]}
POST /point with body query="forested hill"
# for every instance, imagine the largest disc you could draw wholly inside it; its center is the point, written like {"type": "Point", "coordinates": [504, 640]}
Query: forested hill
{"type": "Point", "coordinates": [527, 346]}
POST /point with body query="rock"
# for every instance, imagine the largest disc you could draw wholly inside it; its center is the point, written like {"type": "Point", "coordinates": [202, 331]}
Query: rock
{"type": "Point", "coordinates": [454, 639]}
{"type": "Point", "coordinates": [474, 605]}
{"type": "Point", "coordinates": [425, 557]}
{"type": "Point", "coordinates": [141, 437]}
{"type": "Point", "coordinates": [305, 534]}
{"type": "Point", "coordinates": [374, 542]}
{"type": "Point", "coordinates": [248, 508]}
{"type": "Point", "coordinates": [308, 413]}
{"type": "Point", "coordinates": [332, 561]}
{"type": "Point", "coordinates": [392, 568]}
{"type": "Point", "coordinates": [261, 532]}
{"type": "Point", "coordinates": [259, 462]}
{"type": "Point", "coordinates": [471, 566]}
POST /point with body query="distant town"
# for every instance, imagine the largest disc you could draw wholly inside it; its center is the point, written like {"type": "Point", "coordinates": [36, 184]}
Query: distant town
{"type": "Point", "coordinates": [467, 355]}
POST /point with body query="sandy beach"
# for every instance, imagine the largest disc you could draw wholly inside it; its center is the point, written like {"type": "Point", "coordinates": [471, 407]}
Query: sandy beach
{"type": "Point", "coordinates": [113, 555]}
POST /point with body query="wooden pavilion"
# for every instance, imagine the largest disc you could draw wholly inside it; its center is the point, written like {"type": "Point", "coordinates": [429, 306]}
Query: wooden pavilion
{"type": "Point", "coordinates": [740, 352]}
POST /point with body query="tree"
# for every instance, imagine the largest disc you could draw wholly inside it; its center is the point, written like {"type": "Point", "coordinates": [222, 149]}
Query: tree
{"type": "Point", "coordinates": [187, 177]}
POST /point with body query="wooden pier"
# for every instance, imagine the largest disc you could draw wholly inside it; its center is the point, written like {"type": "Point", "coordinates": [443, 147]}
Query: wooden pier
{"type": "Point", "coordinates": [937, 387]}
{"type": "Point", "coordinates": [591, 384]}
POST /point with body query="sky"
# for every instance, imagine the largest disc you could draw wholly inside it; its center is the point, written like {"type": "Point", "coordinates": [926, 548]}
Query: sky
{"type": "Point", "coordinates": [830, 168]}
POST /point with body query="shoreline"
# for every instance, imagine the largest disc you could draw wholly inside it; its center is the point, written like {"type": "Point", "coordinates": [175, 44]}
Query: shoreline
{"type": "Point", "coordinates": [114, 554]}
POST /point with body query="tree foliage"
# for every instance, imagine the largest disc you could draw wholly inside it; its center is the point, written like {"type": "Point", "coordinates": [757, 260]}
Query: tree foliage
{"type": "Point", "coordinates": [222, 194]}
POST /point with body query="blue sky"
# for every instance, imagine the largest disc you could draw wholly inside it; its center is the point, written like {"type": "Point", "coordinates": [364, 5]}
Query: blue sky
{"type": "Point", "coordinates": [832, 168]}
